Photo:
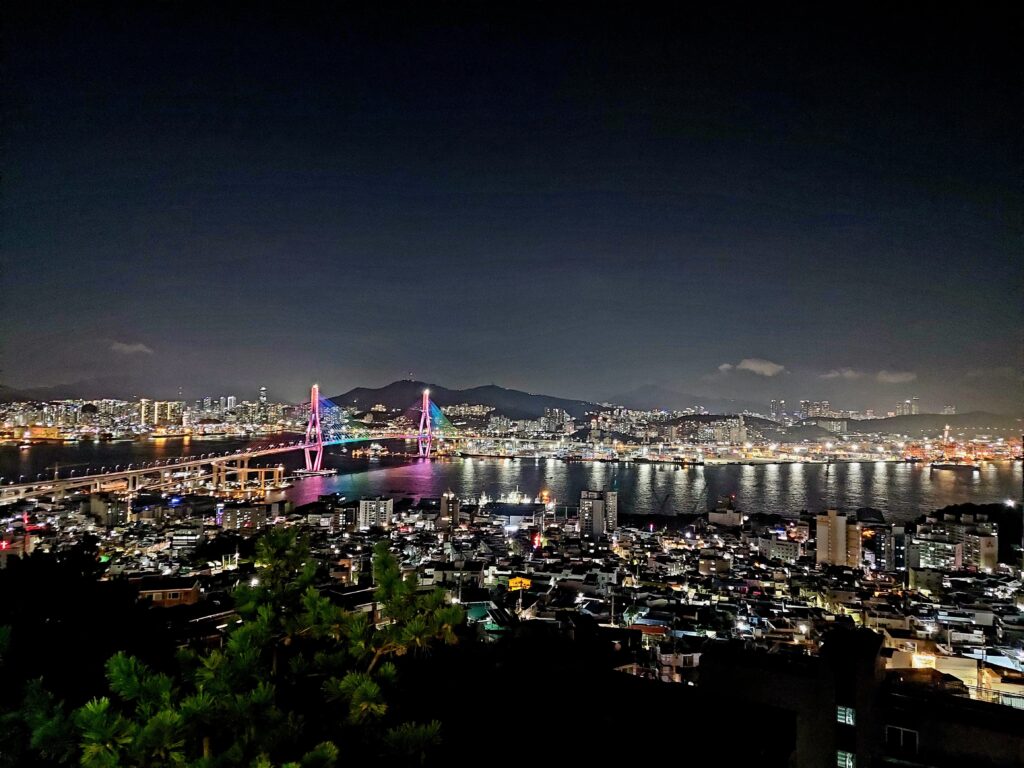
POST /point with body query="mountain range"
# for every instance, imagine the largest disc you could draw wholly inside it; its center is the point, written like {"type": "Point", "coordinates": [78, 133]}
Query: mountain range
{"type": "Point", "coordinates": [508, 402]}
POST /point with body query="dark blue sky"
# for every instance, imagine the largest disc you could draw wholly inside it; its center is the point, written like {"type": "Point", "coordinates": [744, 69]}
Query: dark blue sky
{"type": "Point", "coordinates": [568, 203]}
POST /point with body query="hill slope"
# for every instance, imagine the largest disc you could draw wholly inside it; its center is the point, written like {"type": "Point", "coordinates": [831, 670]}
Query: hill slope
{"type": "Point", "coordinates": [508, 402]}
{"type": "Point", "coordinates": [932, 424]}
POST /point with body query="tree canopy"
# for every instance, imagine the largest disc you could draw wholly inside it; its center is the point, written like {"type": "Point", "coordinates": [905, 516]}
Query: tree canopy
{"type": "Point", "coordinates": [297, 680]}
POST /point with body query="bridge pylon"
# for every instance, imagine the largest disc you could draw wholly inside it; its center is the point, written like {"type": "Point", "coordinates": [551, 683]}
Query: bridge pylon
{"type": "Point", "coordinates": [426, 433]}
{"type": "Point", "coordinates": [314, 449]}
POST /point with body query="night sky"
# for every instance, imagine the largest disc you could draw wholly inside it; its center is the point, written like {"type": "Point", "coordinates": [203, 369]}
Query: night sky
{"type": "Point", "coordinates": [792, 206]}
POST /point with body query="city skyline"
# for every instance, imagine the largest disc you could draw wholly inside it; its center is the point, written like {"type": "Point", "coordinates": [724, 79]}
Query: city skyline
{"type": "Point", "coordinates": [641, 400]}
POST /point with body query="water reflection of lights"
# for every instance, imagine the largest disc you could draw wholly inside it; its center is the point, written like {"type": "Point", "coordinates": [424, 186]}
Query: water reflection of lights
{"type": "Point", "coordinates": [899, 489]}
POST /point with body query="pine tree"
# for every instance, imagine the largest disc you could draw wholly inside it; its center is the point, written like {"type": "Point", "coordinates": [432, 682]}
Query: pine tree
{"type": "Point", "coordinates": [295, 677]}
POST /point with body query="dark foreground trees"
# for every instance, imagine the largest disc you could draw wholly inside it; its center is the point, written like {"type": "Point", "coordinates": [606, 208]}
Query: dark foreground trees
{"type": "Point", "coordinates": [298, 681]}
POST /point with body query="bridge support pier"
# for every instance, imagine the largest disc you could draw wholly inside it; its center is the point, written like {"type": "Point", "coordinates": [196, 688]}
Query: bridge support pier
{"type": "Point", "coordinates": [426, 431]}
{"type": "Point", "coordinates": [314, 449]}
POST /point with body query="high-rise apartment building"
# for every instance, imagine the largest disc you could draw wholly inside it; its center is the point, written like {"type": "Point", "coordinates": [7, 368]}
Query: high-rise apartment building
{"type": "Point", "coordinates": [451, 508]}
{"type": "Point", "coordinates": [819, 408]}
{"type": "Point", "coordinates": [599, 512]}
{"type": "Point", "coordinates": [975, 534]}
{"type": "Point", "coordinates": [166, 412]}
{"type": "Point", "coordinates": [911, 407]}
{"type": "Point", "coordinates": [555, 420]}
{"type": "Point", "coordinates": [885, 546]}
{"type": "Point", "coordinates": [838, 539]}
{"type": "Point", "coordinates": [375, 512]}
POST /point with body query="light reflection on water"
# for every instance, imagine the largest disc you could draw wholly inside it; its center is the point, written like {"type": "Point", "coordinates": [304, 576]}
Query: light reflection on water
{"type": "Point", "coordinates": [902, 491]}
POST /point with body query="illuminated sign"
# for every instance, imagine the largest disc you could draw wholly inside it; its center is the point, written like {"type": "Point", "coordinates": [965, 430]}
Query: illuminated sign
{"type": "Point", "coordinates": [518, 583]}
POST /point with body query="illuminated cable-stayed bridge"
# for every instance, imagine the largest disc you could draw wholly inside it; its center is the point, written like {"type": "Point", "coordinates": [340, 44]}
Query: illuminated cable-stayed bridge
{"type": "Point", "coordinates": [433, 425]}
{"type": "Point", "coordinates": [218, 470]}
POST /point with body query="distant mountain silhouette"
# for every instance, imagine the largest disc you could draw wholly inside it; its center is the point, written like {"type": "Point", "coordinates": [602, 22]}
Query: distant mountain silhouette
{"type": "Point", "coordinates": [9, 395]}
{"type": "Point", "coordinates": [100, 387]}
{"type": "Point", "coordinates": [119, 386]}
{"type": "Point", "coordinates": [934, 423]}
{"type": "Point", "coordinates": [507, 402]}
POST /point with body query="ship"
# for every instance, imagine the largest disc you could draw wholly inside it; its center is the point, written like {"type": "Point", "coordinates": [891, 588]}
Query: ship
{"type": "Point", "coordinates": [963, 466]}
{"type": "Point", "coordinates": [315, 472]}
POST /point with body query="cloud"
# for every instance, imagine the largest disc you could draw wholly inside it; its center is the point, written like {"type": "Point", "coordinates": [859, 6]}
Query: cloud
{"type": "Point", "coordinates": [130, 349]}
{"type": "Point", "coordinates": [755, 365]}
{"type": "Point", "coordinates": [760, 367]}
{"type": "Point", "coordinates": [842, 373]}
{"type": "Point", "coordinates": [895, 377]}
